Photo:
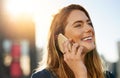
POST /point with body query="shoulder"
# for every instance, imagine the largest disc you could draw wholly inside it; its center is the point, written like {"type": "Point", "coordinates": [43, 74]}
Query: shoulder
{"type": "Point", "coordinates": [41, 74]}
{"type": "Point", "coordinates": [109, 74]}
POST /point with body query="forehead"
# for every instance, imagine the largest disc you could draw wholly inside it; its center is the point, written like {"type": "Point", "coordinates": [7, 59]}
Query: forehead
{"type": "Point", "coordinates": [76, 15]}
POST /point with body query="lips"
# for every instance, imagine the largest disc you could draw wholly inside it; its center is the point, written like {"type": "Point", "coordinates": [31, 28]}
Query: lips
{"type": "Point", "coordinates": [87, 38]}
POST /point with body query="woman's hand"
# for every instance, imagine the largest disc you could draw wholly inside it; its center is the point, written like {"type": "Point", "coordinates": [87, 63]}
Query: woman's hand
{"type": "Point", "coordinates": [74, 58]}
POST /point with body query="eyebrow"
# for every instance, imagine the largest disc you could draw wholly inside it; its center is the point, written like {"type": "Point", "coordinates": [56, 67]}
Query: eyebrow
{"type": "Point", "coordinates": [79, 21]}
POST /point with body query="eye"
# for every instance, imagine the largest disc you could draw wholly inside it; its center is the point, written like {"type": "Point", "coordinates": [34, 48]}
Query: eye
{"type": "Point", "coordinates": [78, 25]}
{"type": "Point", "coordinates": [90, 23]}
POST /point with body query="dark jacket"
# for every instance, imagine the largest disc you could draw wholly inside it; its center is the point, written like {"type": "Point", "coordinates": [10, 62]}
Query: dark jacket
{"type": "Point", "coordinates": [43, 74]}
{"type": "Point", "coordinates": [47, 74]}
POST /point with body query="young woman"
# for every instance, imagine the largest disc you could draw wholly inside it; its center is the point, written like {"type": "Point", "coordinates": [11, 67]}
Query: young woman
{"type": "Point", "coordinates": [79, 58]}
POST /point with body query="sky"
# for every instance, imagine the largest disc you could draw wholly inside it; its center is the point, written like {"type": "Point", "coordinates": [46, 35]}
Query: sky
{"type": "Point", "coordinates": [104, 15]}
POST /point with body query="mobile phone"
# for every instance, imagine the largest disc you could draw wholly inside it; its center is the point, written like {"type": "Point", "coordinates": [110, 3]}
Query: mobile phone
{"type": "Point", "coordinates": [61, 40]}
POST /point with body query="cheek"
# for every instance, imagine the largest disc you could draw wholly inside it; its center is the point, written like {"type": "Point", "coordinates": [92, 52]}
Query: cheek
{"type": "Point", "coordinates": [77, 35]}
{"type": "Point", "coordinates": [77, 38]}
{"type": "Point", "coordinates": [73, 34]}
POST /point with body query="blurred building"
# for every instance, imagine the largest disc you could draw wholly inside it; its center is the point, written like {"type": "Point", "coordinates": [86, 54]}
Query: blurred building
{"type": "Point", "coordinates": [20, 30]}
{"type": "Point", "coordinates": [118, 64]}
{"type": "Point", "coordinates": [3, 68]}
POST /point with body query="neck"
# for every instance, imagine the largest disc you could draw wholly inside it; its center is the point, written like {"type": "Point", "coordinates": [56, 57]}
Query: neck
{"type": "Point", "coordinates": [83, 56]}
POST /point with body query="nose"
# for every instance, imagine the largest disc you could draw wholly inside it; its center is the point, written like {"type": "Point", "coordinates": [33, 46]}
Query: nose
{"type": "Point", "coordinates": [88, 28]}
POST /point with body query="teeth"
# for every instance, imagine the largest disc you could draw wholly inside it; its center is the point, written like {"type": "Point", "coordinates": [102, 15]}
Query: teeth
{"type": "Point", "coordinates": [87, 38]}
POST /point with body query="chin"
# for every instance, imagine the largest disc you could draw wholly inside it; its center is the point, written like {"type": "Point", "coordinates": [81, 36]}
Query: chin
{"type": "Point", "coordinates": [89, 48]}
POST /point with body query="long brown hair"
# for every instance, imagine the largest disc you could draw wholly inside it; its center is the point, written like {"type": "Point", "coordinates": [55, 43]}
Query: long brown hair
{"type": "Point", "coordinates": [55, 60]}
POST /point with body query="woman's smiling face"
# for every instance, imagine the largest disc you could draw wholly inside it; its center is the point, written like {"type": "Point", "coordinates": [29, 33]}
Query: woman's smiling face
{"type": "Point", "coordinates": [79, 29]}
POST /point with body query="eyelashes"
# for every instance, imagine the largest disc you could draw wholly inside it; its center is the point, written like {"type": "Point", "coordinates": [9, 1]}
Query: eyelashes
{"type": "Point", "coordinates": [90, 23]}
{"type": "Point", "coordinates": [80, 25]}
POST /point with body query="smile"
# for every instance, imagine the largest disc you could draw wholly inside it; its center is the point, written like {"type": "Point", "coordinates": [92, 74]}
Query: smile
{"type": "Point", "coordinates": [87, 38]}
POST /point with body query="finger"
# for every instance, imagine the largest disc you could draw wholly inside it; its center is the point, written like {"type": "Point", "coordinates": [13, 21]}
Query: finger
{"type": "Point", "coordinates": [75, 48]}
{"type": "Point", "coordinates": [80, 50]}
{"type": "Point", "coordinates": [69, 45]}
{"type": "Point", "coordinates": [66, 49]}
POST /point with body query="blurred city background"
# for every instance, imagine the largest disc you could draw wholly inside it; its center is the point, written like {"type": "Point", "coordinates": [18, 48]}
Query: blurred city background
{"type": "Point", "coordinates": [24, 27]}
